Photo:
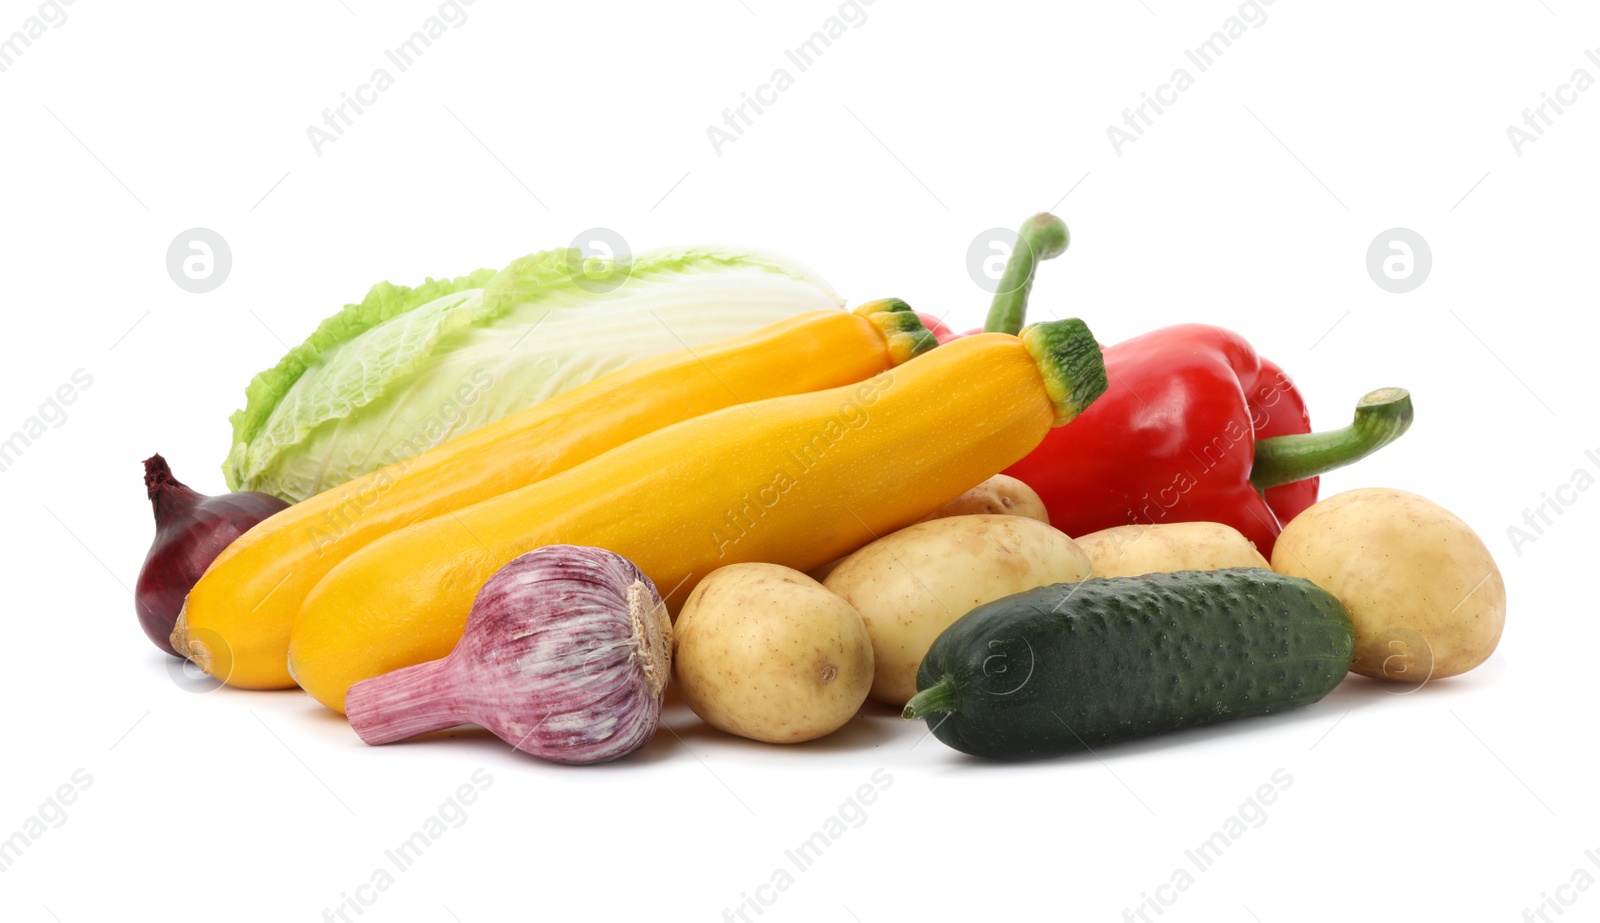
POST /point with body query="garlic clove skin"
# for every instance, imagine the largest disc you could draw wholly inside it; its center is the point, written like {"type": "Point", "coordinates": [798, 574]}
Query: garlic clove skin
{"type": "Point", "coordinates": [565, 655]}
{"type": "Point", "coordinates": [591, 673]}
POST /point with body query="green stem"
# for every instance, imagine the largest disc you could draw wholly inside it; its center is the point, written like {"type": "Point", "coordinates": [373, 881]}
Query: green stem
{"type": "Point", "coordinates": [1070, 363]}
{"type": "Point", "coordinates": [1041, 237]}
{"type": "Point", "coordinates": [941, 696]}
{"type": "Point", "coordinates": [901, 328]}
{"type": "Point", "coordinates": [1381, 417]}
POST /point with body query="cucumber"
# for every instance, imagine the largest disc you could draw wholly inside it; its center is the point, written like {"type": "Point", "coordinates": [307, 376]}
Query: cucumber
{"type": "Point", "coordinates": [1074, 665]}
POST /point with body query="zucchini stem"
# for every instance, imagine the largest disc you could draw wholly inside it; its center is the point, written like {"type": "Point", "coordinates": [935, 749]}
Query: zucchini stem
{"type": "Point", "coordinates": [901, 328]}
{"type": "Point", "coordinates": [939, 697]}
{"type": "Point", "coordinates": [1042, 237]}
{"type": "Point", "coordinates": [1071, 363]}
{"type": "Point", "coordinates": [1382, 416]}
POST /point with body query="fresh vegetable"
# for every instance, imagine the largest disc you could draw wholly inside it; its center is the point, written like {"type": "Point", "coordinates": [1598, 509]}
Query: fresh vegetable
{"type": "Point", "coordinates": [1042, 237]}
{"type": "Point", "coordinates": [1195, 427]}
{"type": "Point", "coordinates": [765, 652]}
{"type": "Point", "coordinates": [1073, 666]}
{"type": "Point", "coordinates": [191, 530]}
{"type": "Point", "coordinates": [941, 331]}
{"type": "Point", "coordinates": [252, 593]}
{"type": "Point", "coordinates": [793, 480]}
{"type": "Point", "coordinates": [1425, 594]}
{"type": "Point", "coordinates": [408, 368]}
{"type": "Point", "coordinates": [1128, 551]}
{"type": "Point", "coordinates": [565, 655]}
{"type": "Point", "coordinates": [1001, 495]}
{"type": "Point", "coordinates": [910, 585]}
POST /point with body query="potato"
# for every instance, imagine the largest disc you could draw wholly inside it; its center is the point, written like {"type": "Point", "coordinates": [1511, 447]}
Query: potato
{"type": "Point", "coordinates": [821, 571]}
{"type": "Point", "coordinates": [1424, 592]}
{"type": "Point", "coordinates": [765, 652]}
{"type": "Point", "coordinates": [1129, 551]}
{"type": "Point", "coordinates": [910, 585]}
{"type": "Point", "coordinates": [1002, 495]}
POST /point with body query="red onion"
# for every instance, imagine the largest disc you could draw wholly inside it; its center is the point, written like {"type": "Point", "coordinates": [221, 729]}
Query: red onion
{"type": "Point", "coordinates": [565, 655]}
{"type": "Point", "coordinates": [191, 530]}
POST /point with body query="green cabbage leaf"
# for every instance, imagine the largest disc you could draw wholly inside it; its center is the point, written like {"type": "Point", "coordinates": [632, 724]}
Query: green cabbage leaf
{"type": "Point", "coordinates": [408, 368]}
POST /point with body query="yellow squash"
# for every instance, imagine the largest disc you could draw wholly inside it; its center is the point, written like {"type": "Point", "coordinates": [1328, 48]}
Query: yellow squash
{"type": "Point", "coordinates": [236, 621]}
{"type": "Point", "coordinates": [796, 480]}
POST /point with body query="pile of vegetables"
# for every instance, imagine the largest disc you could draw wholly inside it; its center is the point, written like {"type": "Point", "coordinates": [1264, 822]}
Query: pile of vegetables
{"type": "Point", "coordinates": [462, 502]}
{"type": "Point", "coordinates": [255, 591]}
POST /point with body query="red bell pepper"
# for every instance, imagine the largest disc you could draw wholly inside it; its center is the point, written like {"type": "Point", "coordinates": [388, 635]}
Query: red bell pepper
{"type": "Point", "coordinates": [1195, 427]}
{"type": "Point", "coordinates": [940, 330]}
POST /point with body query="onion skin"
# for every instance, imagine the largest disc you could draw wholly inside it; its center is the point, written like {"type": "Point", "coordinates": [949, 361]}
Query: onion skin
{"type": "Point", "coordinates": [191, 530]}
{"type": "Point", "coordinates": [565, 656]}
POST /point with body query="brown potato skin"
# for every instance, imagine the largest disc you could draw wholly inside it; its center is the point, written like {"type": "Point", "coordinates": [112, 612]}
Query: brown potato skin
{"type": "Point", "coordinates": [912, 584]}
{"type": "Point", "coordinates": [1423, 590]}
{"type": "Point", "coordinates": [1164, 548]}
{"type": "Point", "coordinates": [1001, 495]}
{"type": "Point", "coordinates": [765, 652]}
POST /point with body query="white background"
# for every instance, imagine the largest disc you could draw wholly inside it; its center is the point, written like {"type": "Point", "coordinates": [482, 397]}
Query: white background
{"type": "Point", "coordinates": [1250, 203]}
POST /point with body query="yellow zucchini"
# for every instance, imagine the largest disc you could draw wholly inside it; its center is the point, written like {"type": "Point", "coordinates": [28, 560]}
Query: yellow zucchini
{"type": "Point", "coordinates": [236, 621]}
{"type": "Point", "coordinates": [795, 480]}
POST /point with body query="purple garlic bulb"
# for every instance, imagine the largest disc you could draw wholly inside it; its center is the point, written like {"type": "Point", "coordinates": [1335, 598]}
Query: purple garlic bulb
{"type": "Point", "coordinates": [565, 655]}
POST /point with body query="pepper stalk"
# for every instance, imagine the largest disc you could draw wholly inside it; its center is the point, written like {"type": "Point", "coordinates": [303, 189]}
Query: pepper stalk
{"type": "Point", "coordinates": [1042, 237]}
{"type": "Point", "coordinates": [1382, 416]}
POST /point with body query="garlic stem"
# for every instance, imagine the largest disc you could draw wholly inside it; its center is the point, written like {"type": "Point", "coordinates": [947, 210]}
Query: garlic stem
{"type": "Point", "coordinates": [407, 702]}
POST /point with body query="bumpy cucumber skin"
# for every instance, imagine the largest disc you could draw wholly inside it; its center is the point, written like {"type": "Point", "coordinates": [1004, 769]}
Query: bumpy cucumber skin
{"type": "Point", "coordinates": [1072, 666]}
